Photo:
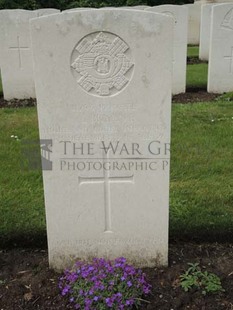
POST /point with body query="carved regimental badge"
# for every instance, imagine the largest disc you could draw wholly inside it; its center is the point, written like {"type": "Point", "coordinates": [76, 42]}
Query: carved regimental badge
{"type": "Point", "coordinates": [227, 22]}
{"type": "Point", "coordinates": [101, 63]}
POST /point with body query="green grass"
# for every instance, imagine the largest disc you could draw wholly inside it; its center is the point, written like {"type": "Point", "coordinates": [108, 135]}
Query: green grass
{"type": "Point", "coordinates": [201, 196]}
{"type": "Point", "coordinates": [193, 51]}
{"type": "Point", "coordinates": [21, 193]}
{"type": "Point", "coordinates": [197, 76]}
{"type": "Point", "coordinates": [196, 73]}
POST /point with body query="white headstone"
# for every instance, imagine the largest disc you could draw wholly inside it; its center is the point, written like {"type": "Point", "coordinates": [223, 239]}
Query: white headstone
{"type": "Point", "coordinates": [16, 56]}
{"type": "Point", "coordinates": [220, 73]}
{"type": "Point", "coordinates": [141, 7]}
{"type": "Point", "coordinates": [180, 18]}
{"type": "Point", "coordinates": [213, 1]}
{"type": "Point", "coordinates": [205, 31]}
{"type": "Point", "coordinates": [77, 9]}
{"type": "Point", "coordinates": [194, 22]}
{"type": "Point", "coordinates": [104, 76]}
{"type": "Point", "coordinates": [137, 7]}
{"type": "Point", "coordinates": [44, 12]}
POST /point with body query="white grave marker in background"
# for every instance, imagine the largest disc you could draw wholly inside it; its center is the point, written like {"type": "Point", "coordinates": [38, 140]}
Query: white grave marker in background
{"type": "Point", "coordinates": [15, 55]}
{"type": "Point", "coordinates": [194, 22]}
{"type": "Point", "coordinates": [205, 31]}
{"type": "Point", "coordinates": [220, 73]}
{"type": "Point", "coordinates": [44, 12]}
{"type": "Point", "coordinates": [180, 17]}
{"type": "Point", "coordinates": [103, 79]}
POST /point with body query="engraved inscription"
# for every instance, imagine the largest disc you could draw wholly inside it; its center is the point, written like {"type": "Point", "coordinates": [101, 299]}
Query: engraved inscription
{"type": "Point", "coordinates": [231, 61]}
{"type": "Point", "coordinates": [18, 48]}
{"type": "Point", "coordinates": [107, 180]}
{"type": "Point", "coordinates": [101, 63]}
{"type": "Point", "coordinates": [228, 20]}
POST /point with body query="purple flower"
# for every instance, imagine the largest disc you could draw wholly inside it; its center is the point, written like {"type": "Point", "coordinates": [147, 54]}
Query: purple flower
{"type": "Point", "coordinates": [129, 283]}
{"type": "Point", "coordinates": [109, 302]}
{"type": "Point", "coordinates": [109, 284]}
{"type": "Point", "coordinates": [129, 302]}
{"type": "Point", "coordinates": [65, 290]}
{"type": "Point", "coordinates": [146, 289]}
{"type": "Point", "coordinates": [88, 302]}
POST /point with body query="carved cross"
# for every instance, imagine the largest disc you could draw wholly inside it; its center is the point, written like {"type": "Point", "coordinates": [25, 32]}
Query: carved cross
{"type": "Point", "coordinates": [106, 180]}
{"type": "Point", "coordinates": [18, 48]}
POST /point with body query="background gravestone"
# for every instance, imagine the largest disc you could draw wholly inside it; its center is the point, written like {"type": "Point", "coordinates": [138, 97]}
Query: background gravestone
{"type": "Point", "coordinates": [220, 73]}
{"type": "Point", "coordinates": [15, 55]}
{"type": "Point", "coordinates": [44, 12]}
{"type": "Point", "coordinates": [77, 9]}
{"type": "Point", "coordinates": [205, 31]}
{"type": "Point", "coordinates": [104, 76]}
{"type": "Point", "coordinates": [140, 7]}
{"type": "Point", "coordinates": [194, 13]}
{"type": "Point", "coordinates": [180, 17]}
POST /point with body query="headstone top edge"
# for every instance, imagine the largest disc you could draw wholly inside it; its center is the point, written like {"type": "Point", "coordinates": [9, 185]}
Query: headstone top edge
{"type": "Point", "coordinates": [172, 6]}
{"type": "Point", "coordinates": [61, 15]}
{"type": "Point", "coordinates": [218, 5]}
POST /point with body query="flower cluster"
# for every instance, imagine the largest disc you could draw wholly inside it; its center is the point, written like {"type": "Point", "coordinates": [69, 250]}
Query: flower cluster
{"type": "Point", "coordinates": [104, 284]}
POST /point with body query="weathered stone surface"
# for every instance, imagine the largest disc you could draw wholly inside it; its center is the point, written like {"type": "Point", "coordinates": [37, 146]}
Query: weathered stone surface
{"type": "Point", "coordinates": [220, 73]}
{"type": "Point", "coordinates": [104, 76]}
{"type": "Point", "coordinates": [180, 16]}
{"type": "Point", "coordinates": [205, 31]}
{"type": "Point", "coordinates": [16, 56]}
{"type": "Point", "coordinates": [194, 22]}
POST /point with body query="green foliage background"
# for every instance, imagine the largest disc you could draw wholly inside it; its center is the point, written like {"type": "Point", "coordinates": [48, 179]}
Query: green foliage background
{"type": "Point", "coordinates": [67, 4]}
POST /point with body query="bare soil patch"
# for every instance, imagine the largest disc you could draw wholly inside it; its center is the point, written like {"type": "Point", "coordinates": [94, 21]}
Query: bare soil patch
{"type": "Point", "coordinates": [194, 95]}
{"type": "Point", "coordinates": [27, 283]}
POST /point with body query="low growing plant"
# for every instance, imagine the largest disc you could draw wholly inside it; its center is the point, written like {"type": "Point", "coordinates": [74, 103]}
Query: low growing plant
{"type": "Point", "coordinates": [204, 281]}
{"type": "Point", "coordinates": [104, 284]}
{"type": "Point", "coordinates": [225, 97]}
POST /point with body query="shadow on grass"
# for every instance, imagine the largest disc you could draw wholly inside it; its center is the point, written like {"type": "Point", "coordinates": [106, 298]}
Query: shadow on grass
{"type": "Point", "coordinates": [196, 89]}
{"type": "Point", "coordinates": [39, 240]}
{"type": "Point", "coordinates": [24, 240]}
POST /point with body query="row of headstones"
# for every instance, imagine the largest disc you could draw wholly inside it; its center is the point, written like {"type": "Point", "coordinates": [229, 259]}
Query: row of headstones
{"type": "Point", "coordinates": [194, 18]}
{"type": "Point", "coordinates": [211, 27]}
{"type": "Point", "coordinates": [17, 62]}
{"type": "Point", "coordinates": [15, 49]}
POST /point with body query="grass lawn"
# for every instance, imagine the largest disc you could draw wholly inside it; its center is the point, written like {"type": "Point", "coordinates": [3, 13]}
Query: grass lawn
{"type": "Point", "coordinates": [201, 197]}
{"type": "Point", "coordinates": [21, 193]}
{"type": "Point", "coordinates": [196, 76]}
{"type": "Point", "coordinates": [193, 51]}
